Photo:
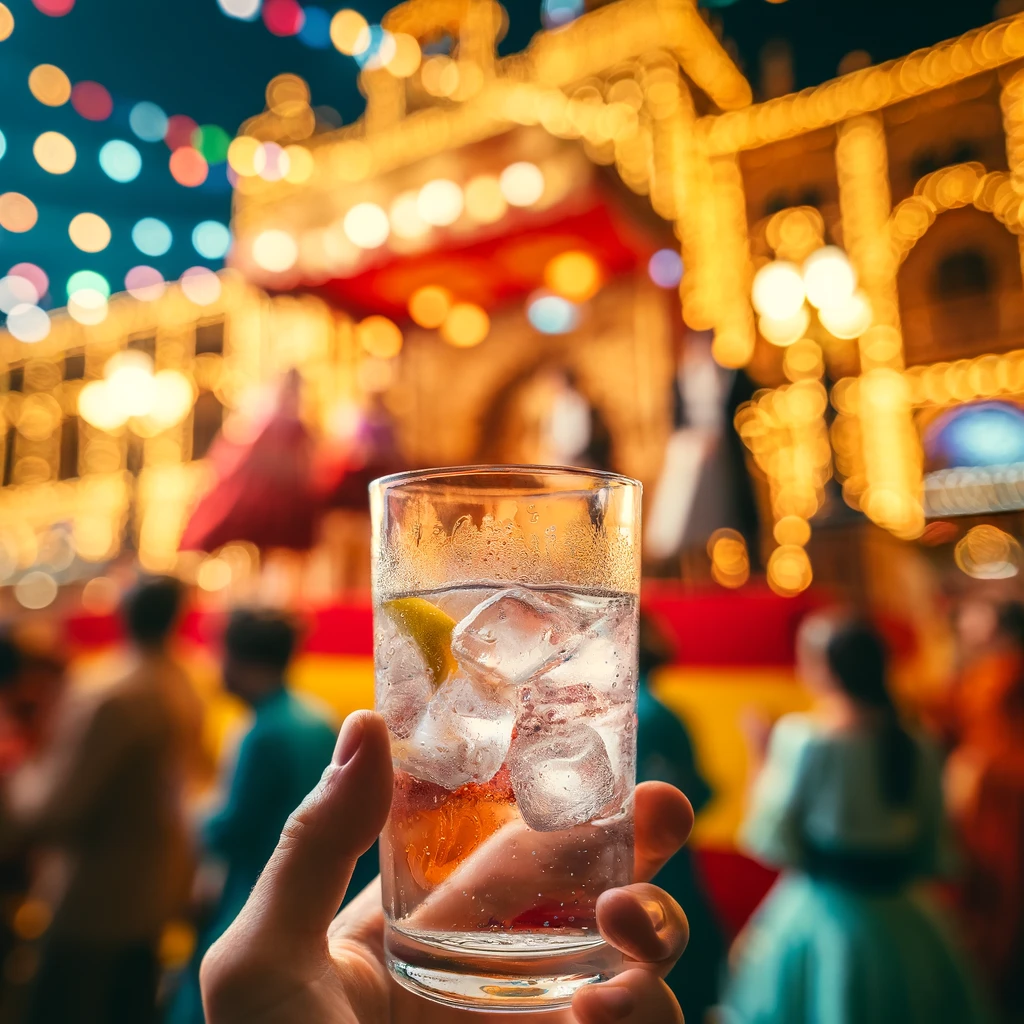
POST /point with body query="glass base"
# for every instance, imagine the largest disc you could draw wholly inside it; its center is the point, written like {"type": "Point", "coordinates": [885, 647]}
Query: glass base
{"type": "Point", "coordinates": [498, 972]}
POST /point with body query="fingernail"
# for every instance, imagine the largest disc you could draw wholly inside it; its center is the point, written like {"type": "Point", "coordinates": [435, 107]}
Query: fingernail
{"type": "Point", "coordinates": [617, 1002]}
{"type": "Point", "coordinates": [349, 740]}
{"type": "Point", "coordinates": [655, 913]}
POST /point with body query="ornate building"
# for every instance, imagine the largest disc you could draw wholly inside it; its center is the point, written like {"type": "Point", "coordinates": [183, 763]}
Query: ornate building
{"type": "Point", "coordinates": [480, 251]}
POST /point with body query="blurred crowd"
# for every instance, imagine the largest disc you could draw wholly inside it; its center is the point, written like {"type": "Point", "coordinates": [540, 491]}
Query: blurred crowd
{"type": "Point", "coordinates": [897, 831]}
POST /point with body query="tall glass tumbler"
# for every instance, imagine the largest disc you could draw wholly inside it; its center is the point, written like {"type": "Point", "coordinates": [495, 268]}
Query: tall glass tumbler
{"type": "Point", "coordinates": [505, 621]}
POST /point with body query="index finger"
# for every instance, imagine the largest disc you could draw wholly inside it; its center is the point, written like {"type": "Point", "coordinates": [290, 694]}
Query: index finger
{"type": "Point", "coordinates": [664, 819]}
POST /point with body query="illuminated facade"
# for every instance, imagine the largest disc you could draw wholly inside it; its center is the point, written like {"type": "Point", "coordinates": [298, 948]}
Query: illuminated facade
{"type": "Point", "coordinates": [910, 173]}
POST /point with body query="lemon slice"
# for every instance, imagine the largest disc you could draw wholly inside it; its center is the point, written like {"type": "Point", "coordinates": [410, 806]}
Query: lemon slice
{"type": "Point", "coordinates": [430, 628]}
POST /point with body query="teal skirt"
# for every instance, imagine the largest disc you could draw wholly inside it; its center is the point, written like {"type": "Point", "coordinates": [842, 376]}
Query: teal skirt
{"type": "Point", "coordinates": [819, 953]}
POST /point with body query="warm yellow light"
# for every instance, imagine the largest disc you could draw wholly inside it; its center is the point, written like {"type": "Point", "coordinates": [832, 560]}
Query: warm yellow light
{"type": "Point", "coordinates": [300, 164]}
{"type": "Point", "coordinates": [778, 290]}
{"type": "Point", "coordinates": [789, 570]}
{"type": "Point", "coordinates": [484, 201]}
{"type": "Point", "coordinates": [54, 152]}
{"type": "Point", "coordinates": [246, 156]}
{"type": "Point", "coordinates": [849, 320]}
{"type": "Point", "coordinates": [730, 563]}
{"type": "Point", "coordinates": [522, 184]}
{"type": "Point", "coordinates": [6, 22]}
{"type": "Point", "coordinates": [17, 212]}
{"type": "Point", "coordinates": [172, 399]}
{"type": "Point", "coordinates": [349, 32]}
{"type": "Point", "coordinates": [829, 278]}
{"type": "Point", "coordinates": [406, 221]}
{"type": "Point", "coordinates": [367, 226]}
{"type": "Point", "coordinates": [466, 325]}
{"type": "Point", "coordinates": [287, 95]}
{"type": "Point", "coordinates": [375, 375]}
{"type": "Point", "coordinates": [440, 202]}
{"type": "Point", "coordinates": [574, 275]}
{"type": "Point", "coordinates": [430, 305]}
{"type": "Point", "coordinates": [130, 386]}
{"type": "Point", "coordinates": [100, 595]}
{"type": "Point", "coordinates": [49, 85]}
{"type": "Point", "coordinates": [97, 410]}
{"type": "Point", "coordinates": [89, 232]}
{"type": "Point", "coordinates": [200, 285]}
{"type": "Point", "coordinates": [275, 251]}
{"type": "Point", "coordinates": [987, 553]}
{"type": "Point", "coordinates": [792, 530]}
{"type": "Point", "coordinates": [88, 306]}
{"type": "Point", "coordinates": [440, 75]}
{"type": "Point", "coordinates": [213, 574]}
{"type": "Point", "coordinates": [785, 332]}
{"type": "Point", "coordinates": [379, 337]}
{"type": "Point", "coordinates": [406, 58]}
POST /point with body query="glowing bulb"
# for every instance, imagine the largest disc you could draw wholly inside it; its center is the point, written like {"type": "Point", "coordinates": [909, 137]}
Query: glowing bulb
{"type": "Point", "coordinates": [349, 32]}
{"type": "Point", "coordinates": [379, 337]}
{"type": "Point", "coordinates": [551, 314]}
{"type": "Point", "coordinates": [367, 226]}
{"type": "Point", "coordinates": [829, 278]}
{"type": "Point", "coordinates": [466, 325]}
{"type": "Point", "coordinates": [484, 200]}
{"type": "Point", "coordinates": [28, 323]}
{"type": "Point", "coordinates": [211, 239]}
{"type": "Point", "coordinates": [522, 184]}
{"type": "Point", "coordinates": [405, 218]}
{"type": "Point", "coordinates": [200, 285]}
{"type": "Point", "coordinates": [88, 306]}
{"type": "Point", "coordinates": [275, 251]}
{"type": "Point", "coordinates": [54, 152]}
{"type": "Point", "coordinates": [848, 320]}
{"type": "Point", "coordinates": [778, 290]}
{"type": "Point", "coordinates": [89, 232]}
{"type": "Point", "coordinates": [152, 237]}
{"type": "Point", "coordinates": [429, 306]}
{"type": "Point", "coordinates": [144, 283]}
{"type": "Point", "coordinates": [406, 59]}
{"type": "Point", "coordinates": [120, 160]}
{"type": "Point", "coordinates": [440, 202]}
{"type": "Point", "coordinates": [574, 275]}
{"type": "Point", "coordinates": [785, 332]}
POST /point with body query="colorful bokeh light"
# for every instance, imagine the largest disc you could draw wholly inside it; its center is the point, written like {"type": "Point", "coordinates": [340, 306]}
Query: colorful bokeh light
{"type": "Point", "coordinates": [144, 283]}
{"type": "Point", "coordinates": [665, 268]}
{"type": "Point", "coordinates": [3, 144]}
{"type": "Point", "coordinates": [201, 285]}
{"type": "Point", "coordinates": [35, 274]}
{"type": "Point", "coordinates": [243, 10]}
{"type": "Point", "coordinates": [89, 232]}
{"type": "Point", "coordinates": [148, 122]}
{"type": "Point", "coordinates": [17, 212]}
{"type": "Point", "coordinates": [49, 85]}
{"type": "Point", "coordinates": [283, 17]}
{"type": "Point", "coordinates": [88, 280]}
{"type": "Point", "coordinates": [211, 239]}
{"type": "Point", "coordinates": [54, 152]}
{"type": "Point", "coordinates": [120, 160]}
{"type": "Point", "coordinates": [180, 128]}
{"type": "Point", "coordinates": [92, 101]}
{"type": "Point", "coordinates": [152, 237]}
{"type": "Point", "coordinates": [6, 22]}
{"type": "Point", "coordinates": [349, 32]}
{"type": "Point", "coordinates": [316, 29]}
{"type": "Point", "coordinates": [188, 167]}
{"type": "Point", "coordinates": [54, 8]}
{"type": "Point", "coordinates": [211, 141]}
{"type": "Point", "coordinates": [28, 323]}
{"type": "Point", "coordinates": [551, 314]}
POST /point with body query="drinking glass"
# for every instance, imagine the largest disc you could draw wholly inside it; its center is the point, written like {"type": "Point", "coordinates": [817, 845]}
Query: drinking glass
{"type": "Point", "coordinates": [505, 647]}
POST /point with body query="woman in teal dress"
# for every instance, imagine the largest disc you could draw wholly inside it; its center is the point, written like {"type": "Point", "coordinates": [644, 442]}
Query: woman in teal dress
{"type": "Point", "coordinates": [849, 805]}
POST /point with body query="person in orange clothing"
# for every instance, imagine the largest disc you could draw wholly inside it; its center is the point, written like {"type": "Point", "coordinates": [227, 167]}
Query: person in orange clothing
{"type": "Point", "coordinates": [983, 722]}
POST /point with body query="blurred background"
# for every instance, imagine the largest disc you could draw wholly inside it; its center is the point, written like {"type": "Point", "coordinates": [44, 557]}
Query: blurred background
{"type": "Point", "coordinates": [763, 255]}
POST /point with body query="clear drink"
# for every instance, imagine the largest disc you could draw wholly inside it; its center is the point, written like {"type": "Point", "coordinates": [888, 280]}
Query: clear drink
{"type": "Point", "coordinates": [511, 708]}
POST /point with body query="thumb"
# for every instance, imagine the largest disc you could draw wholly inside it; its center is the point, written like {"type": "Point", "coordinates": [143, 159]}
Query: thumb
{"type": "Point", "coordinates": [304, 882]}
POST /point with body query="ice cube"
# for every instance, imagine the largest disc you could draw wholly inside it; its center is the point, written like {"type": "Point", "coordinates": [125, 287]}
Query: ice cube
{"type": "Point", "coordinates": [403, 680]}
{"type": "Point", "coordinates": [617, 729]}
{"type": "Point", "coordinates": [463, 737]}
{"type": "Point", "coordinates": [561, 777]}
{"type": "Point", "coordinates": [515, 635]}
{"type": "Point", "coordinates": [601, 665]}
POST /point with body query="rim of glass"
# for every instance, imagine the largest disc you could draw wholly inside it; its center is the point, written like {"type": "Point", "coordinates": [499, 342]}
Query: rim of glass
{"type": "Point", "coordinates": [463, 474]}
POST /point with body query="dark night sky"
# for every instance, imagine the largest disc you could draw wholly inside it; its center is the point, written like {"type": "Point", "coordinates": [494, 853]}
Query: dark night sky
{"type": "Point", "coordinates": [189, 58]}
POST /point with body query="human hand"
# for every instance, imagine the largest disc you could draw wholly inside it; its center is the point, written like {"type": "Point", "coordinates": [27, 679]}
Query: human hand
{"type": "Point", "coordinates": [288, 960]}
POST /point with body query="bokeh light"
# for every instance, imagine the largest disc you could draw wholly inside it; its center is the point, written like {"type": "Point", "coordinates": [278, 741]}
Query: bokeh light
{"type": "Point", "coordinates": [829, 278]}
{"type": "Point", "coordinates": [87, 306]}
{"type": "Point", "coordinates": [16, 290]}
{"type": "Point", "coordinates": [792, 530]}
{"type": "Point", "coordinates": [379, 337]}
{"type": "Point", "coordinates": [54, 8]}
{"type": "Point", "coordinates": [405, 218]}
{"type": "Point", "coordinates": [484, 200]}
{"type": "Point", "coordinates": [120, 160]}
{"type": "Point", "coordinates": [429, 306]}
{"type": "Point", "coordinates": [92, 101]}
{"type": "Point", "coordinates": [987, 553]}
{"type": "Point", "coordinates": [380, 50]}
{"type": "Point", "coordinates": [180, 129]}
{"type": "Point", "coordinates": [35, 274]}
{"type": "Point", "coordinates": [49, 85]}
{"type": "Point", "coordinates": [37, 589]}
{"type": "Point", "coordinates": [211, 239]}
{"type": "Point", "coordinates": [283, 17]}
{"type": "Point", "coordinates": [785, 332]}
{"type": "Point", "coordinates": [54, 152]}
{"type": "Point", "coordinates": [101, 595]}
{"type": "Point", "coordinates": [522, 183]}
{"type": "Point", "coordinates": [300, 164]}
{"type": "Point", "coordinates": [243, 10]}
{"type": "Point", "coordinates": [316, 28]}
{"type": "Point", "coordinates": [17, 212]}
{"type": "Point", "coordinates": [466, 325]}
{"type": "Point", "coordinates": [246, 156]}
{"type": "Point", "coordinates": [778, 290]}
{"type": "Point", "coordinates": [789, 570]}
{"type": "Point", "coordinates": [275, 251]}
{"type": "Point", "coordinates": [555, 13]}
{"type": "Point", "coordinates": [6, 22]}
{"type": "Point", "coordinates": [144, 283]}
{"type": "Point", "coordinates": [3, 144]}
{"type": "Point", "coordinates": [152, 237]}
{"type": "Point", "coordinates": [349, 32]}
{"type": "Point", "coordinates": [148, 122]}
{"type": "Point", "coordinates": [665, 268]}
{"type": "Point", "coordinates": [201, 285]}
{"type": "Point", "coordinates": [440, 202]}
{"type": "Point", "coordinates": [274, 163]}
{"type": "Point", "coordinates": [88, 280]}
{"type": "Point", "coordinates": [89, 232]}
{"type": "Point", "coordinates": [366, 225]}
{"type": "Point", "coordinates": [730, 562]}
{"type": "Point", "coordinates": [849, 319]}
{"type": "Point", "coordinates": [551, 314]}
{"type": "Point", "coordinates": [575, 275]}
{"type": "Point", "coordinates": [407, 56]}
{"type": "Point", "coordinates": [211, 142]}
{"type": "Point", "coordinates": [188, 167]}
{"type": "Point", "coordinates": [28, 323]}
{"type": "Point", "coordinates": [440, 75]}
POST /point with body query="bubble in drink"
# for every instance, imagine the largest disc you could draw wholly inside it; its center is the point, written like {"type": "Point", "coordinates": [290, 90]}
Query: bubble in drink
{"type": "Point", "coordinates": [560, 778]}
{"type": "Point", "coordinates": [462, 737]}
{"type": "Point", "coordinates": [515, 635]}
